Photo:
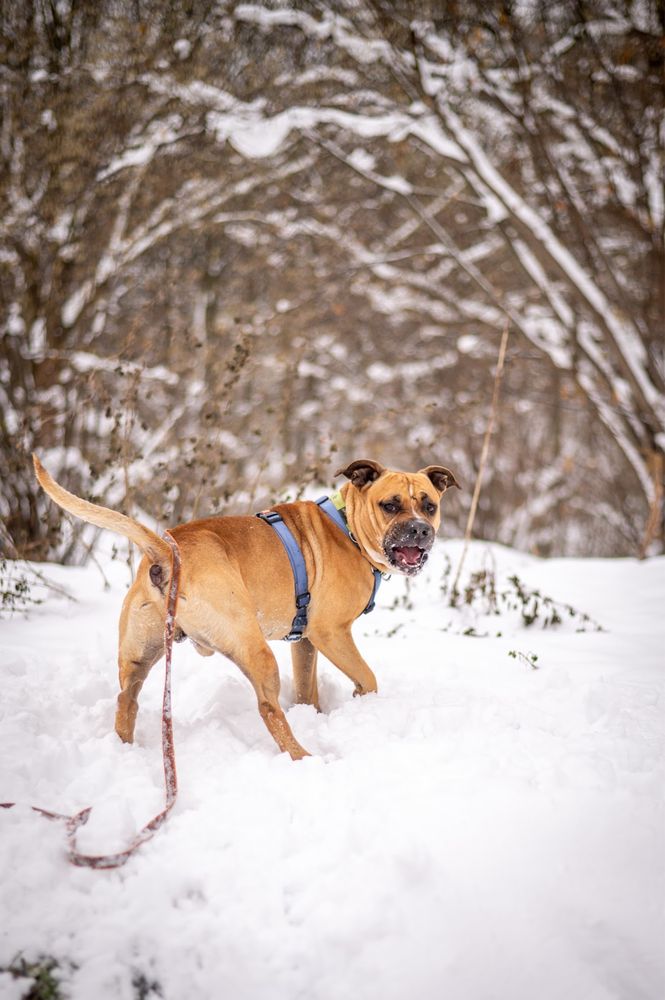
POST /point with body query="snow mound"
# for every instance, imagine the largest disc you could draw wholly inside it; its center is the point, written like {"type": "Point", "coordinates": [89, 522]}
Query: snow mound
{"type": "Point", "coordinates": [479, 828]}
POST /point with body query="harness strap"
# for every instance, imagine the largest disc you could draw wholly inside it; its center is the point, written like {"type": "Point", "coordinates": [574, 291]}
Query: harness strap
{"type": "Point", "coordinates": [299, 623]}
{"type": "Point", "coordinates": [298, 568]}
{"type": "Point", "coordinates": [329, 507]}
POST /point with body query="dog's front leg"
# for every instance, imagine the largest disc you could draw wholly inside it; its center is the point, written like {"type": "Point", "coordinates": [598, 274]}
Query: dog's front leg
{"type": "Point", "coordinates": [338, 646]}
{"type": "Point", "coordinates": [261, 667]}
{"type": "Point", "coordinates": [249, 651]}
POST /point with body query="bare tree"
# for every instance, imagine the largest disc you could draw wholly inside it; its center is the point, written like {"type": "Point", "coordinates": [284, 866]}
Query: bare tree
{"type": "Point", "coordinates": [239, 237]}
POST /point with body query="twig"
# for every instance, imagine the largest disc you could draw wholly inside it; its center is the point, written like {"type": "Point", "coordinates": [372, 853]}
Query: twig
{"type": "Point", "coordinates": [57, 588]}
{"type": "Point", "coordinates": [483, 457]}
{"type": "Point", "coordinates": [25, 567]}
{"type": "Point", "coordinates": [129, 411]}
{"type": "Point", "coordinates": [654, 520]}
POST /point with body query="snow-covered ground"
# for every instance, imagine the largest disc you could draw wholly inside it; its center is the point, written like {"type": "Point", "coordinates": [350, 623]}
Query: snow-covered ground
{"type": "Point", "coordinates": [478, 830]}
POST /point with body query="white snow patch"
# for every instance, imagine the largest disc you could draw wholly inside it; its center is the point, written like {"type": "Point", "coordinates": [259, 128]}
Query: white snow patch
{"type": "Point", "coordinates": [467, 343]}
{"type": "Point", "coordinates": [182, 48]}
{"type": "Point", "coordinates": [37, 338]}
{"type": "Point", "coordinates": [476, 823]}
{"type": "Point", "coordinates": [260, 139]}
{"type": "Point", "coordinates": [48, 120]}
{"type": "Point", "coordinates": [381, 373]}
{"type": "Point", "coordinates": [84, 361]}
{"type": "Point", "coordinates": [15, 322]}
{"type": "Point", "coordinates": [75, 304]}
{"type": "Point", "coordinates": [158, 134]}
{"type": "Point", "coordinates": [360, 159]}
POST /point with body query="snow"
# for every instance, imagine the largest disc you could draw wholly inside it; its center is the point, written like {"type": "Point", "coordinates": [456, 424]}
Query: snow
{"type": "Point", "coordinates": [75, 304]}
{"type": "Point", "coordinates": [182, 48]}
{"type": "Point", "coordinates": [257, 136]}
{"type": "Point", "coordinates": [258, 139]}
{"type": "Point", "coordinates": [467, 343]}
{"type": "Point", "coordinates": [158, 134]}
{"type": "Point", "coordinates": [363, 50]}
{"type": "Point", "coordinates": [85, 361]}
{"type": "Point", "coordinates": [654, 186]}
{"type": "Point", "coordinates": [361, 160]}
{"type": "Point", "coordinates": [478, 829]}
{"type": "Point", "coordinates": [15, 322]}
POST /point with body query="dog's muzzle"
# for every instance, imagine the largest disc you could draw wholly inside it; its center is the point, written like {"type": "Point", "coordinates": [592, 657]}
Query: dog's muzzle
{"type": "Point", "coordinates": [407, 545]}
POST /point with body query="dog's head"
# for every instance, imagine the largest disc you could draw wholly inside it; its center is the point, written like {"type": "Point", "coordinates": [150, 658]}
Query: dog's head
{"type": "Point", "coordinates": [395, 515]}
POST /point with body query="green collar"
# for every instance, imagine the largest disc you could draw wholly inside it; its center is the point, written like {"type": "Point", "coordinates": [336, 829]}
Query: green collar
{"type": "Point", "coordinates": [337, 500]}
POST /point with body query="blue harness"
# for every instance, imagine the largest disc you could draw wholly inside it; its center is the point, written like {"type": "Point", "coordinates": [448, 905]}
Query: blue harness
{"type": "Point", "coordinates": [275, 520]}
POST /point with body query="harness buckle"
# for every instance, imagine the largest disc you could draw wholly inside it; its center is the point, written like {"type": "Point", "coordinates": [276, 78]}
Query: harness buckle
{"type": "Point", "coordinates": [271, 516]}
{"type": "Point", "coordinates": [299, 623]}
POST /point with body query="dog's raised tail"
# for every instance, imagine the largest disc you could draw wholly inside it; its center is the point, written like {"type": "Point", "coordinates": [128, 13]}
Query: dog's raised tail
{"type": "Point", "coordinates": [148, 541]}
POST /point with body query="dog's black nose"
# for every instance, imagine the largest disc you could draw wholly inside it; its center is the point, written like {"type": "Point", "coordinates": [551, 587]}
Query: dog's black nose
{"type": "Point", "coordinates": [417, 531]}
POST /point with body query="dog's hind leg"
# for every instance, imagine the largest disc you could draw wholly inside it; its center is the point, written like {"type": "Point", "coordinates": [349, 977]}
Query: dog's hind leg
{"type": "Point", "coordinates": [303, 658]}
{"type": "Point", "coordinates": [141, 646]}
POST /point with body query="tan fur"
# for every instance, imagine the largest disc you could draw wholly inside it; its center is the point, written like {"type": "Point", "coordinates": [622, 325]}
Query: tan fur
{"type": "Point", "coordinates": [236, 588]}
{"type": "Point", "coordinates": [148, 542]}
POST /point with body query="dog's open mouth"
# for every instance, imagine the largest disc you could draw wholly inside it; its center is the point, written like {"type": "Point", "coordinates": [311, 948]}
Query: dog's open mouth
{"type": "Point", "coordinates": [409, 559]}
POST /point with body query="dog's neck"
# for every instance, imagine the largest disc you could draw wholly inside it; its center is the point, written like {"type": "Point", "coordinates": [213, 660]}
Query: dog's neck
{"type": "Point", "coordinates": [375, 559]}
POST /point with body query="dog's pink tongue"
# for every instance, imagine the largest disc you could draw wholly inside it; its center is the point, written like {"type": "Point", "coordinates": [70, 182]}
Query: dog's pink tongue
{"type": "Point", "coordinates": [410, 554]}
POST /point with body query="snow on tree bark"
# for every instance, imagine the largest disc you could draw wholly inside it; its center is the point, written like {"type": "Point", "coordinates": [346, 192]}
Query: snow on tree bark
{"type": "Point", "coordinates": [236, 241]}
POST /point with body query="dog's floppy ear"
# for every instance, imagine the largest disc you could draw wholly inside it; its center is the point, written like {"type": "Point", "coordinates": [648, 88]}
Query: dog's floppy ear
{"type": "Point", "coordinates": [361, 472]}
{"type": "Point", "coordinates": [441, 479]}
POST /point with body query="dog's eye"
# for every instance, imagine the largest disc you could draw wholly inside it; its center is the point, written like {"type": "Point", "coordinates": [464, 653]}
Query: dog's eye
{"type": "Point", "coordinates": [390, 506]}
{"type": "Point", "coordinates": [429, 507]}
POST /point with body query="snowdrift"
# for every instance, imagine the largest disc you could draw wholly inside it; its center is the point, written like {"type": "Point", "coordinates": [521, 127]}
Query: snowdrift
{"type": "Point", "coordinates": [489, 825]}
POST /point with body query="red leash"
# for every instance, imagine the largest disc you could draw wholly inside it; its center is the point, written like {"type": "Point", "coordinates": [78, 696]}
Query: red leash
{"type": "Point", "coordinates": [72, 823]}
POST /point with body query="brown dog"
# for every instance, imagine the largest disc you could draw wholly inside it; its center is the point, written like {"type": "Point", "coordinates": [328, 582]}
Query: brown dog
{"type": "Point", "coordinates": [236, 587]}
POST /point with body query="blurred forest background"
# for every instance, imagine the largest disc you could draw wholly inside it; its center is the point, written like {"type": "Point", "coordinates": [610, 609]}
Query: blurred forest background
{"type": "Point", "coordinates": [243, 244]}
